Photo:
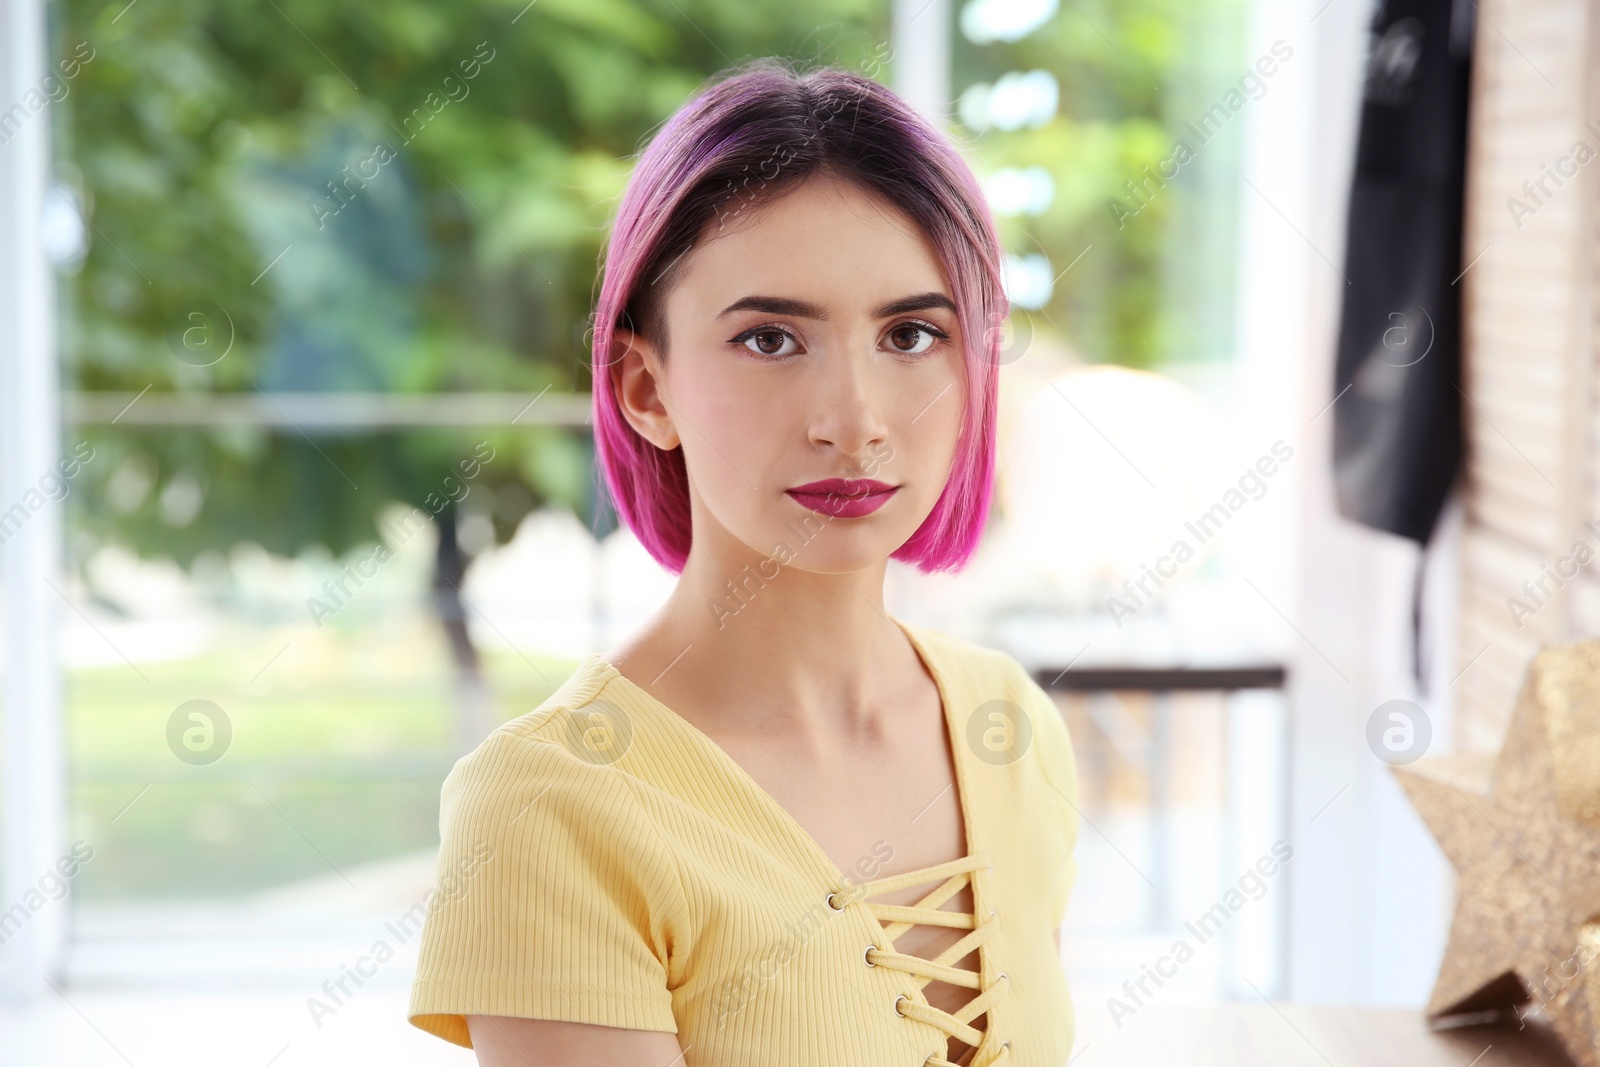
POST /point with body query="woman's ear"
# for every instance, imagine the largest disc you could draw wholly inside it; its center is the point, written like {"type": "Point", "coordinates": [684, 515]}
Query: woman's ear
{"type": "Point", "coordinates": [636, 377]}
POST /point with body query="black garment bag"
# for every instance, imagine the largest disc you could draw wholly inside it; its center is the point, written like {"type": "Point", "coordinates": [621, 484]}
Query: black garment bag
{"type": "Point", "coordinates": [1397, 426]}
{"type": "Point", "coordinates": [1397, 417]}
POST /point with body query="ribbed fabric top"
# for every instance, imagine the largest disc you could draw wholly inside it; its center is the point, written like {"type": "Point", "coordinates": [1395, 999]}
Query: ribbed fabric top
{"type": "Point", "coordinates": [603, 861]}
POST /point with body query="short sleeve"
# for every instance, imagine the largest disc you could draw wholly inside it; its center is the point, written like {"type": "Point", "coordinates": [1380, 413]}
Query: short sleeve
{"type": "Point", "coordinates": [555, 897]}
{"type": "Point", "coordinates": [1059, 763]}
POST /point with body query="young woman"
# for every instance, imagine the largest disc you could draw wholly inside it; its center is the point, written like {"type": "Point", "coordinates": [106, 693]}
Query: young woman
{"type": "Point", "coordinates": [778, 827]}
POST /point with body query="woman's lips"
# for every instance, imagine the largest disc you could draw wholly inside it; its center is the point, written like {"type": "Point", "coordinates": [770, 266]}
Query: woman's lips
{"type": "Point", "coordinates": [841, 499]}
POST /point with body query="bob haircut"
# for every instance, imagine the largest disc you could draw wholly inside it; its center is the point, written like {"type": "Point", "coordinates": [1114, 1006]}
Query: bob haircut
{"type": "Point", "coordinates": [748, 136]}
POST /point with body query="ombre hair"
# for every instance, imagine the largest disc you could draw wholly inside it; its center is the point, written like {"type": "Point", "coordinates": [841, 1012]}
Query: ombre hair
{"type": "Point", "coordinates": [750, 135]}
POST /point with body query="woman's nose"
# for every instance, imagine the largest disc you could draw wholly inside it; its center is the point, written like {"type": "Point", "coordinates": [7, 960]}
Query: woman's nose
{"type": "Point", "coordinates": [848, 404]}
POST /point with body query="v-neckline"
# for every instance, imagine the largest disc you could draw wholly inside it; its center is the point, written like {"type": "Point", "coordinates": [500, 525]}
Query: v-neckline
{"type": "Point", "coordinates": [819, 857]}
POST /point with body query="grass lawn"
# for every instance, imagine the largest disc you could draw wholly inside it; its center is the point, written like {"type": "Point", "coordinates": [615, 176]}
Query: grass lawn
{"type": "Point", "coordinates": [340, 741]}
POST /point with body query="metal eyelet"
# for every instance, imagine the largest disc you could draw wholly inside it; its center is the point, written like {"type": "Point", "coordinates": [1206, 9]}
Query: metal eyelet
{"type": "Point", "coordinates": [831, 905]}
{"type": "Point", "coordinates": [897, 1001]}
{"type": "Point", "coordinates": [868, 952]}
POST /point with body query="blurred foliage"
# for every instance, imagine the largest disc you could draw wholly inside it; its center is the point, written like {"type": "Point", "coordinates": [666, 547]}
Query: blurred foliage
{"type": "Point", "coordinates": [1158, 287]}
{"type": "Point", "coordinates": [412, 197]}
{"type": "Point", "coordinates": [437, 178]}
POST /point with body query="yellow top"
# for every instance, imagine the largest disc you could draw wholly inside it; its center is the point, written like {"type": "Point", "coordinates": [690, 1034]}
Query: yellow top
{"type": "Point", "coordinates": [603, 861]}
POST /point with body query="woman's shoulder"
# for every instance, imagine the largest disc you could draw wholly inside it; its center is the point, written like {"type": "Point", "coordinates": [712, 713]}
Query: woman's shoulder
{"type": "Point", "coordinates": [558, 895]}
{"type": "Point", "coordinates": [563, 752]}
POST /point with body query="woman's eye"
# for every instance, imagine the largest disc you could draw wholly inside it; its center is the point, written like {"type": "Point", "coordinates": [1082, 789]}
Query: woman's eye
{"type": "Point", "coordinates": [769, 342]}
{"type": "Point", "coordinates": [912, 339]}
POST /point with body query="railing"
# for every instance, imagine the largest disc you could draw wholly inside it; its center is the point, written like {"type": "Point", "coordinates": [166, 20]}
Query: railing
{"type": "Point", "coordinates": [1255, 750]}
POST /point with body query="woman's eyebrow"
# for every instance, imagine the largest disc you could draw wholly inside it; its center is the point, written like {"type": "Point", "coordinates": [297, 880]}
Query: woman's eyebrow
{"type": "Point", "coordinates": [919, 302]}
{"type": "Point", "coordinates": [777, 305]}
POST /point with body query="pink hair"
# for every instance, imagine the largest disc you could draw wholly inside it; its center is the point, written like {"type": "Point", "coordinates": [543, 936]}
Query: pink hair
{"type": "Point", "coordinates": [756, 132]}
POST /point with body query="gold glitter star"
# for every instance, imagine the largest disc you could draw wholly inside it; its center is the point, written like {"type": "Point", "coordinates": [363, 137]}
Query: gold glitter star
{"type": "Point", "coordinates": [1522, 830]}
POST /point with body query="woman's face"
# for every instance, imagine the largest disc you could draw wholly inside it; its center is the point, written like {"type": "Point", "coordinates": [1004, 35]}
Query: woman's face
{"type": "Point", "coordinates": [811, 337]}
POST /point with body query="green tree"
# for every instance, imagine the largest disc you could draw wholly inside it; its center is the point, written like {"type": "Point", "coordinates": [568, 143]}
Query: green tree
{"type": "Point", "coordinates": [378, 197]}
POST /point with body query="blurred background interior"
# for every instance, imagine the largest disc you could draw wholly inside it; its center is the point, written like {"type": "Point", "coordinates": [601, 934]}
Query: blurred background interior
{"type": "Point", "coordinates": [297, 492]}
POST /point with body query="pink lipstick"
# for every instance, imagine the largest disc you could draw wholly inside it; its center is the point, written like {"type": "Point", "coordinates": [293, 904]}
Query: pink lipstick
{"type": "Point", "coordinates": [846, 498]}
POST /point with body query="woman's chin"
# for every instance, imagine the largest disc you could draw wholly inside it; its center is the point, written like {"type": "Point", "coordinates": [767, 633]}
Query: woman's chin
{"type": "Point", "coordinates": [835, 548]}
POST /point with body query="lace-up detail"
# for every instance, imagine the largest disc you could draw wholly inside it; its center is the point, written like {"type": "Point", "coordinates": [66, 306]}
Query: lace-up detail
{"type": "Point", "coordinates": [897, 919]}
